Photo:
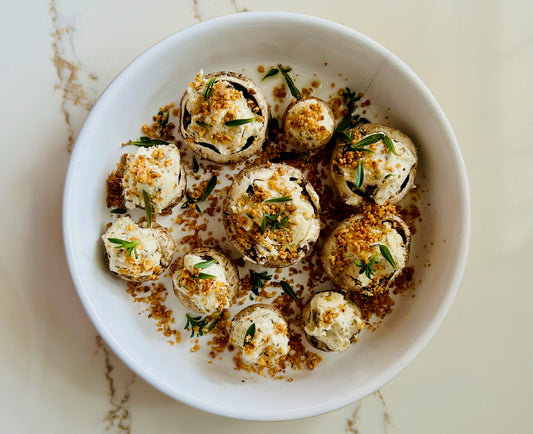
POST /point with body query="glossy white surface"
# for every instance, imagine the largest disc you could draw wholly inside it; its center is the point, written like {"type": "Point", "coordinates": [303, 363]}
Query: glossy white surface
{"type": "Point", "coordinates": [476, 374]}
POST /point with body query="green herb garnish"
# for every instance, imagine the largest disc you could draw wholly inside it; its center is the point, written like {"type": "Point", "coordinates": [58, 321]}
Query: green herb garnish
{"type": "Point", "coordinates": [200, 325]}
{"type": "Point", "coordinates": [146, 142]}
{"type": "Point", "coordinates": [352, 119]}
{"type": "Point", "coordinates": [148, 208]}
{"type": "Point", "coordinates": [389, 144]}
{"type": "Point", "coordinates": [207, 91]}
{"type": "Point", "coordinates": [119, 211]}
{"type": "Point", "coordinates": [258, 280]}
{"type": "Point", "coordinates": [387, 255]}
{"type": "Point", "coordinates": [360, 177]}
{"type": "Point", "coordinates": [162, 123]}
{"type": "Point", "coordinates": [205, 264]}
{"type": "Point", "coordinates": [237, 122]}
{"type": "Point", "coordinates": [202, 124]}
{"type": "Point", "coordinates": [287, 289]}
{"type": "Point", "coordinates": [367, 267]}
{"type": "Point", "coordinates": [294, 90]}
{"type": "Point", "coordinates": [195, 165]}
{"type": "Point", "coordinates": [208, 190]}
{"type": "Point", "coordinates": [389, 175]}
{"type": "Point", "coordinates": [249, 215]}
{"type": "Point", "coordinates": [129, 246]}
{"type": "Point", "coordinates": [278, 199]}
{"type": "Point", "coordinates": [270, 73]}
{"type": "Point", "coordinates": [204, 276]}
{"type": "Point", "coordinates": [263, 224]}
{"type": "Point", "coordinates": [250, 333]}
{"type": "Point", "coordinates": [276, 221]}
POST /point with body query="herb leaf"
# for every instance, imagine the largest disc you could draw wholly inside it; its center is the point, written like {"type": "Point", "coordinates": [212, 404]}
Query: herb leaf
{"type": "Point", "coordinates": [207, 91]}
{"type": "Point", "coordinates": [146, 142]}
{"type": "Point", "coordinates": [205, 264]}
{"type": "Point", "coordinates": [202, 124]}
{"type": "Point", "coordinates": [162, 123]}
{"type": "Point", "coordinates": [208, 190]}
{"type": "Point", "coordinates": [119, 211]}
{"type": "Point", "coordinates": [292, 87]}
{"type": "Point", "coordinates": [287, 289]}
{"type": "Point", "coordinates": [250, 333]}
{"type": "Point", "coordinates": [389, 144]}
{"type": "Point", "coordinates": [276, 221]}
{"type": "Point", "coordinates": [387, 255]}
{"type": "Point", "coordinates": [270, 73]}
{"type": "Point", "coordinates": [237, 122]}
{"type": "Point", "coordinates": [352, 119]}
{"type": "Point", "coordinates": [278, 199]}
{"type": "Point", "coordinates": [367, 267]}
{"type": "Point", "coordinates": [263, 224]}
{"type": "Point", "coordinates": [389, 175]}
{"type": "Point", "coordinates": [195, 165]}
{"type": "Point", "coordinates": [258, 280]}
{"type": "Point", "coordinates": [200, 325]}
{"type": "Point", "coordinates": [129, 246]}
{"type": "Point", "coordinates": [148, 208]}
{"type": "Point", "coordinates": [360, 177]}
{"type": "Point", "coordinates": [205, 276]}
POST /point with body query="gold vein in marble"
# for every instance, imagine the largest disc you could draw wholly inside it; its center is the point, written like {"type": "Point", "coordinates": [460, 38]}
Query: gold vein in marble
{"type": "Point", "coordinates": [73, 93]}
{"type": "Point", "coordinates": [119, 416]}
{"type": "Point", "coordinates": [351, 423]}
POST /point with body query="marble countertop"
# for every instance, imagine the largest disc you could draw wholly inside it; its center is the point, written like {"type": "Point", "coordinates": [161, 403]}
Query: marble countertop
{"type": "Point", "coordinates": [476, 375]}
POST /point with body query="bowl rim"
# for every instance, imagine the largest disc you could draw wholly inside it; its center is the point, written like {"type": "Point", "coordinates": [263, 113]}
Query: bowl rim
{"type": "Point", "coordinates": [412, 350]}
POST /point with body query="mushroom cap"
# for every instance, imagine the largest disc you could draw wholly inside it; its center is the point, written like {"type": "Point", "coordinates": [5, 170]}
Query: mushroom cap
{"type": "Point", "coordinates": [251, 91]}
{"type": "Point", "coordinates": [247, 175]}
{"type": "Point", "coordinates": [230, 271]}
{"type": "Point", "coordinates": [355, 199]}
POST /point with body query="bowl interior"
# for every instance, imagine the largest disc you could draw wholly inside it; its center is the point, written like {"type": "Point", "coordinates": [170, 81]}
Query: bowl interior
{"type": "Point", "coordinates": [243, 41]}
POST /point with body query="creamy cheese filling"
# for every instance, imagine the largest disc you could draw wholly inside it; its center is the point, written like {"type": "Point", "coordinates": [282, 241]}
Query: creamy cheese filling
{"type": "Point", "coordinates": [208, 295]}
{"type": "Point", "coordinates": [384, 172]}
{"type": "Point", "coordinates": [208, 118]}
{"type": "Point", "coordinates": [309, 121]}
{"type": "Point", "coordinates": [381, 266]}
{"type": "Point", "coordinates": [271, 339]}
{"type": "Point", "coordinates": [333, 320]}
{"type": "Point", "coordinates": [145, 258]}
{"type": "Point", "coordinates": [295, 216]}
{"type": "Point", "coordinates": [155, 170]}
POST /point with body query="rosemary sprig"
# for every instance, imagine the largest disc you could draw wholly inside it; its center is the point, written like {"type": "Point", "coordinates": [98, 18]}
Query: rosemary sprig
{"type": "Point", "coordinates": [360, 176]}
{"type": "Point", "coordinates": [237, 122]}
{"type": "Point", "coordinates": [287, 289]}
{"type": "Point", "coordinates": [389, 175]}
{"type": "Point", "coordinates": [364, 142]}
{"type": "Point", "coordinates": [250, 333]}
{"type": "Point", "coordinates": [195, 165]}
{"type": "Point", "coordinates": [162, 122]}
{"type": "Point", "coordinates": [278, 199]}
{"type": "Point", "coordinates": [389, 144]}
{"type": "Point", "coordinates": [208, 190]}
{"type": "Point", "coordinates": [258, 280]}
{"type": "Point", "coordinates": [202, 124]}
{"type": "Point", "coordinates": [271, 73]}
{"type": "Point", "coordinates": [200, 325]}
{"type": "Point", "coordinates": [367, 267]}
{"type": "Point", "coordinates": [146, 142]}
{"type": "Point", "coordinates": [276, 221]}
{"type": "Point", "coordinates": [148, 208]}
{"type": "Point", "coordinates": [387, 255]}
{"type": "Point", "coordinates": [205, 264]}
{"type": "Point", "coordinates": [352, 119]}
{"type": "Point", "coordinates": [205, 276]}
{"type": "Point", "coordinates": [119, 211]}
{"type": "Point", "coordinates": [292, 87]}
{"type": "Point", "coordinates": [129, 246]}
{"type": "Point", "coordinates": [263, 224]}
{"type": "Point", "coordinates": [207, 91]}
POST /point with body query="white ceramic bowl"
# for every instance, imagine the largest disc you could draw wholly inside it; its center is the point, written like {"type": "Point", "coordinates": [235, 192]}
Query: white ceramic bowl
{"type": "Point", "coordinates": [161, 74]}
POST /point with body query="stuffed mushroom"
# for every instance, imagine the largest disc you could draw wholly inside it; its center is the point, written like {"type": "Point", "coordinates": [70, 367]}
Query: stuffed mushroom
{"type": "Point", "coordinates": [271, 215]}
{"type": "Point", "coordinates": [365, 253]}
{"type": "Point", "coordinates": [136, 252]}
{"type": "Point", "coordinates": [206, 280]}
{"type": "Point", "coordinates": [308, 123]}
{"type": "Point", "coordinates": [379, 164]}
{"type": "Point", "coordinates": [261, 333]}
{"type": "Point", "coordinates": [154, 173]}
{"type": "Point", "coordinates": [223, 117]}
{"type": "Point", "coordinates": [331, 322]}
